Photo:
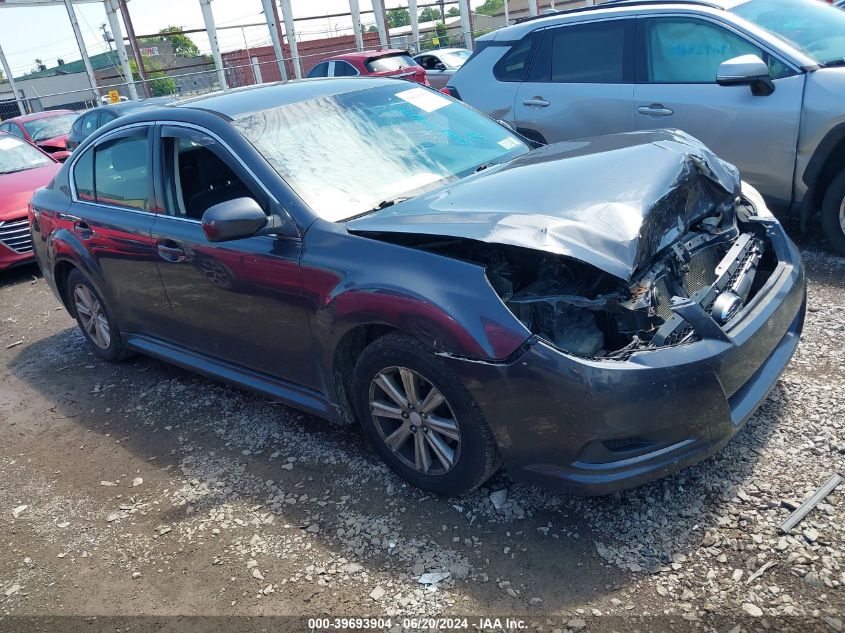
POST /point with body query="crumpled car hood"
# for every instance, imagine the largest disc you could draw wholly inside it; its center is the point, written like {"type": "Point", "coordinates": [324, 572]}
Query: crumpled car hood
{"type": "Point", "coordinates": [610, 201]}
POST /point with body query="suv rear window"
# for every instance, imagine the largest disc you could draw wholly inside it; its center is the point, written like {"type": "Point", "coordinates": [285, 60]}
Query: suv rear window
{"type": "Point", "coordinates": [389, 62]}
{"type": "Point", "coordinates": [514, 65]}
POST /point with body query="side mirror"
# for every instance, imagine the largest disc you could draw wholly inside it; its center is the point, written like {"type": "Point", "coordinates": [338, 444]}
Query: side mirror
{"type": "Point", "coordinates": [440, 66]}
{"type": "Point", "coordinates": [233, 219]}
{"type": "Point", "coordinates": [746, 70]}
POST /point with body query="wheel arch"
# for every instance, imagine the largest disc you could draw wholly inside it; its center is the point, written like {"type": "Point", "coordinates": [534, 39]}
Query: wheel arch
{"type": "Point", "coordinates": [826, 163]}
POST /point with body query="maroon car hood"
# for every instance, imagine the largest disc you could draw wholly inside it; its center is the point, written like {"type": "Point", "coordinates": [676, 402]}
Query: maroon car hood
{"type": "Point", "coordinates": [55, 143]}
{"type": "Point", "coordinates": [17, 188]}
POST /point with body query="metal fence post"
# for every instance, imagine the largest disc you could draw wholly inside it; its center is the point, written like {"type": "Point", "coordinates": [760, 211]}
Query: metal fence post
{"type": "Point", "coordinates": [532, 7]}
{"type": "Point", "coordinates": [466, 25]}
{"type": "Point", "coordinates": [381, 23]}
{"type": "Point", "coordinates": [290, 33]}
{"type": "Point", "coordinates": [355, 11]}
{"type": "Point", "coordinates": [415, 23]}
{"type": "Point", "coordinates": [269, 13]}
{"type": "Point", "coordinates": [117, 34]}
{"type": "Point", "coordinates": [77, 32]}
{"type": "Point", "coordinates": [208, 18]}
{"type": "Point", "coordinates": [11, 79]}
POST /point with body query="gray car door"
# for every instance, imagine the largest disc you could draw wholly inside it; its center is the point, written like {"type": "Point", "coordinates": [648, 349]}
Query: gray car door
{"type": "Point", "coordinates": [678, 89]}
{"type": "Point", "coordinates": [580, 82]}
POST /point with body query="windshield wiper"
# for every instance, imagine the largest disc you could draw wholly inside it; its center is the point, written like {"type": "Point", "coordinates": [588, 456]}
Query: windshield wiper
{"type": "Point", "coordinates": [834, 63]}
{"type": "Point", "coordinates": [381, 205]}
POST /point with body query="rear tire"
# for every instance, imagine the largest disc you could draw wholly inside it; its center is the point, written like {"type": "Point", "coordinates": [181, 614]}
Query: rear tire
{"type": "Point", "coordinates": [436, 438]}
{"type": "Point", "coordinates": [833, 215]}
{"type": "Point", "coordinates": [93, 317]}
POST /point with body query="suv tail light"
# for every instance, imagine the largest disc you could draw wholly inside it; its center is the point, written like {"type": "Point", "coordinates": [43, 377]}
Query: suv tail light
{"type": "Point", "coordinates": [449, 90]}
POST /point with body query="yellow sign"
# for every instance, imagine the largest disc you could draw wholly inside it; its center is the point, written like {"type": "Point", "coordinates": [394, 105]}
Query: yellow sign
{"type": "Point", "coordinates": [435, 41]}
{"type": "Point", "coordinates": [114, 96]}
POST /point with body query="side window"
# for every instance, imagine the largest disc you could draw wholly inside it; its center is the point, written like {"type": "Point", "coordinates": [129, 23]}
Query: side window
{"type": "Point", "coordinates": [6, 127]}
{"type": "Point", "coordinates": [690, 51]}
{"type": "Point", "coordinates": [121, 171]}
{"type": "Point", "coordinates": [89, 123]}
{"type": "Point", "coordinates": [514, 65]}
{"type": "Point", "coordinates": [14, 129]}
{"type": "Point", "coordinates": [83, 176]}
{"type": "Point", "coordinates": [344, 69]}
{"type": "Point", "coordinates": [320, 70]}
{"type": "Point", "coordinates": [427, 61]}
{"type": "Point", "coordinates": [597, 52]}
{"type": "Point", "coordinates": [197, 176]}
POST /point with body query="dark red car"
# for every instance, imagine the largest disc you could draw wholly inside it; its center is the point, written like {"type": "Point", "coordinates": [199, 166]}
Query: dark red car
{"type": "Point", "coordinates": [387, 63]}
{"type": "Point", "coordinates": [23, 169]}
{"type": "Point", "coordinates": [48, 130]}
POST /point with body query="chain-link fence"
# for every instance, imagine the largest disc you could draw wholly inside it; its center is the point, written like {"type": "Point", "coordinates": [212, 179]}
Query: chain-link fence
{"type": "Point", "coordinates": [241, 67]}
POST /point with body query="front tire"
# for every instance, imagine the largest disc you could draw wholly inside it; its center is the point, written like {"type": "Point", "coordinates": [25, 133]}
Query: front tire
{"type": "Point", "coordinates": [833, 215]}
{"type": "Point", "coordinates": [93, 317]}
{"type": "Point", "coordinates": [419, 417]}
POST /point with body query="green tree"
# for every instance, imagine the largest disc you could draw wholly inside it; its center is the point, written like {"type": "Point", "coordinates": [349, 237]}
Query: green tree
{"type": "Point", "coordinates": [429, 14]}
{"type": "Point", "coordinates": [453, 12]}
{"type": "Point", "coordinates": [491, 7]}
{"type": "Point", "coordinates": [442, 34]}
{"type": "Point", "coordinates": [182, 44]}
{"type": "Point", "coordinates": [398, 17]}
{"type": "Point", "coordinates": [2, 76]}
{"type": "Point", "coordinates": [160, 84]}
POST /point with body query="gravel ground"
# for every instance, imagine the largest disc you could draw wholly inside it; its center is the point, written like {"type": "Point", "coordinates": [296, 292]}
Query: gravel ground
{"type": "Point", "coordinates": [139, 488]}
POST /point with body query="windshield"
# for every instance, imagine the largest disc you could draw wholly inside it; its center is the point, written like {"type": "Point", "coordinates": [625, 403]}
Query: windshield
{"type": "Point", "coordinates": [17, 155]}
{"type": "Point", "coordinates": [42, 129]}
{"type": "Point", "coordinates": [455, 59]}
{"type": "Point", "coordinates": [813, 27]}
{"type": "Point", "coordinates": [391, 62]}
{"type": "Point", "coordinates": [347, 154]}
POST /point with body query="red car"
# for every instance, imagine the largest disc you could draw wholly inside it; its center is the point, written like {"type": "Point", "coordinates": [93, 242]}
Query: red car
{"type": "Point", "coordinates": [48, 130]}
{"type": "Point", "coordinates": [23, 169]}
{"type": "Point", "coordinates": [387, 63]}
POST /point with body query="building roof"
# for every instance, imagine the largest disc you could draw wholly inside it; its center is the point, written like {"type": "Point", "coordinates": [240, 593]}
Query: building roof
{"type": "Point", "coordinates": [101, 61]}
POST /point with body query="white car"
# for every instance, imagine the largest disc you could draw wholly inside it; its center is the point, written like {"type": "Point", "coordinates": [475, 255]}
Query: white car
{"type": "Point", "coordinates": [441, 63]}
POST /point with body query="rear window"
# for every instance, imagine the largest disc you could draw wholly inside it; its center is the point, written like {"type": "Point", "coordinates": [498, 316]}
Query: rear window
{"type": "Point", "coordinates": [514, 65]}
{"type": "Point", "coordinates": [391, 62]}
{"type": "Point", "coordinates": [597, 52]}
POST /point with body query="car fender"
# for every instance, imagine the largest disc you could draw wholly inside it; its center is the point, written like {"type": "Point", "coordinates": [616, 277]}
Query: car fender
{"type": "Point", "coordinates": [64, 246]}
{"type": "Point", "coordinates": [448, 304]}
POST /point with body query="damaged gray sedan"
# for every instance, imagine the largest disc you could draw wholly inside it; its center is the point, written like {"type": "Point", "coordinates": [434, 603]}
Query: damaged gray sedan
{"type": "Point", "coordinates": [593, 314]}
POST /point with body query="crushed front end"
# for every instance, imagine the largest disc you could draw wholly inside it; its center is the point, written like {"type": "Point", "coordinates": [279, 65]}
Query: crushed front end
{"type": "Point", "coordinates": [661, 377]}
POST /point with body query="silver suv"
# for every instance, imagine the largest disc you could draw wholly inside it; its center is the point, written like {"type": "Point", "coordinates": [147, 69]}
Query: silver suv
{"type": "Point", "coordinates": [761, 82]}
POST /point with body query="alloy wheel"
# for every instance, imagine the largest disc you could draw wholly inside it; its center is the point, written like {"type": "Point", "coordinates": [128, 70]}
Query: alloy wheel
{"type": "Point", "coordinates": [91, 316]}
{"type": "Point", "coordinates": [415, 421]}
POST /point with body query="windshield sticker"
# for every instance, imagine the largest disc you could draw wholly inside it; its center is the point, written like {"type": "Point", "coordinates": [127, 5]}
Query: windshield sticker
{"type": "Point", "coordinates": [509, 142]}
{"type": "Point", "coordinates": [424, 99]}
{"type": "Point", "coordinates": [9, 143]}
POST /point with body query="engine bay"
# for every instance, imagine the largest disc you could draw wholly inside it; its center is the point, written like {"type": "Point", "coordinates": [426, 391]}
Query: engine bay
{"type": "Point", "coordinates": [688, 291]}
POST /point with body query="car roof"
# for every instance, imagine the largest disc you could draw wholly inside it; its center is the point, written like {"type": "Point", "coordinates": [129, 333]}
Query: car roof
{"type": "Point", "coordinates": [39, 115]}
{"type": "Point", "coordinates": [370, 54]}
{"type": "Point", "coordinates": [240, 102]}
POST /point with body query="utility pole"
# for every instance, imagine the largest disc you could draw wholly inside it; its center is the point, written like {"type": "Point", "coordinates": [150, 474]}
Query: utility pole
{"type": "Point", "coordinates": [106, 35]}
{"type": "Point", "coordinates": [355, 11]}
{"type": "Point", "coordinates": [290, 33]}
{"type": "Point", "coordinates": [133, 44]}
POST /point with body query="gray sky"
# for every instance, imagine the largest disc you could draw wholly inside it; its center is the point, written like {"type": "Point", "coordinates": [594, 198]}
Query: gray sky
{"type": "Point", "coordinates": [44, 32]}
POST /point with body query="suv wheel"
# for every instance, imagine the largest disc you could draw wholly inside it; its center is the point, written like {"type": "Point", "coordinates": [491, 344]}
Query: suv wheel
{"type": "Point", "coordinates": [420, 419]}
{"type": "Point", "coordinates": [93, 318]}
{"type": "Point", "coordinates": [833, 214]}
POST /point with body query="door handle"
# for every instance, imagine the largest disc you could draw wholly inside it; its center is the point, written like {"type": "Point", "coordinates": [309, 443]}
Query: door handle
{"type": "Point", "coordinates": [83, 229]}
{"type": "Point", "coordinates": [655, 109]}
{"type": "Point", "coordinates": [538, 102]}
{"type": "Point", "coordinates": [170, 251]}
